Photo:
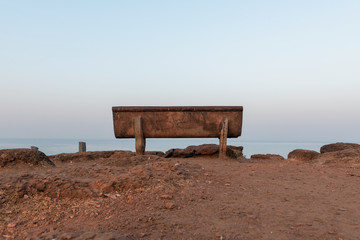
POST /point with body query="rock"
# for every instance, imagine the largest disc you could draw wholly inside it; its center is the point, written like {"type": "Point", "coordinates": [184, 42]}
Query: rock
{"type": "Point", "coordinates": [204, 150]}
{"type": "Point", "coordinates": [11, 225]}
{"type": "Point", "coordinates": [234, 151]}
{"type": "Point", "coordinates": [12, 157]}
{"type": "Point", "coordinates": [166, 197]}
{"type": "Point", "coordinates": [207, 150]}
{"type": "Point", "coordinates": [338, 147]}
{"type": "Point", "coordinates": [266, 157]}
{"type": "Point", "coordinates": [170, 205]}
{"type": "Point", "coordinates": [87, 156]}
{"type": "Point", "coordinates": [348, 155]}
{"type": "Point", "coordinates": [302, 154]}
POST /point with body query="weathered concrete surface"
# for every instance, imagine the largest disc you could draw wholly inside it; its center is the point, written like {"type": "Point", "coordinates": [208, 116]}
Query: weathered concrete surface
{"type": "Point", "coordinates": [177, 122]}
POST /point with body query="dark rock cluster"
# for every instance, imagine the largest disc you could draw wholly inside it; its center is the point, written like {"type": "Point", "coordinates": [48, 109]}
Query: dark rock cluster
{"type": "Point", "coordinates": [206, 150]}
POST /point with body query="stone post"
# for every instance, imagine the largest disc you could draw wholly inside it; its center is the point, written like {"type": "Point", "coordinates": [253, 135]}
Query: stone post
{"type": "Point", "coordinates": [82, 146]}
{"type": "Point", "coordinates": [223, 137]}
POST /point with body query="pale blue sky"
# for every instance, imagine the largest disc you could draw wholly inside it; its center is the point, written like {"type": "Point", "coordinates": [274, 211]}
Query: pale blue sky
{"type": "Point", "coordinates": [293, 65]}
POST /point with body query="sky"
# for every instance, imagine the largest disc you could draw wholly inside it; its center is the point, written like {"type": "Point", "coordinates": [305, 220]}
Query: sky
{"type": "Point", "coordinates": [293, 65]}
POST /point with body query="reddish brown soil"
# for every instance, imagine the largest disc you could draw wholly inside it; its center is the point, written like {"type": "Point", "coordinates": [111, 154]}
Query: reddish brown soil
{"type": "Point", "coordinates": [151, 197]}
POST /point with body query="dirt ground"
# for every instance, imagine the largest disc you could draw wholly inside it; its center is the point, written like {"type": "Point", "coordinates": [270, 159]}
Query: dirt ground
{"type": "Point", "coordinates": [152, 197]}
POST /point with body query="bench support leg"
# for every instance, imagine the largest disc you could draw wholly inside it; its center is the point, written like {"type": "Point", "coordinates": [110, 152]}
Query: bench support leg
{"type": "Point", "coordinates": [223, 137]}
{"type": "Point", "coordinates": [140, 141]}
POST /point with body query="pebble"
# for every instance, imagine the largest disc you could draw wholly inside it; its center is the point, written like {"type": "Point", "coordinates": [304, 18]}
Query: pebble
{"type": "Point", "coordinates": [11, 225]}
{"type": "Point", "coordinates": [170, 205]}
{"type": "Point", "coordinates": [167, 197]}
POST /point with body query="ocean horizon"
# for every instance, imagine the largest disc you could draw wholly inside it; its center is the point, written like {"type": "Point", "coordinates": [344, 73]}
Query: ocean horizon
{"type": "Point", "coordinates": [57, 146]}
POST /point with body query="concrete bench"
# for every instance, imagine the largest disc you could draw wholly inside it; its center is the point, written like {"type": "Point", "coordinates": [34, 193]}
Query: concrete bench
{"type": "Point", "coordinates": [177, 122]}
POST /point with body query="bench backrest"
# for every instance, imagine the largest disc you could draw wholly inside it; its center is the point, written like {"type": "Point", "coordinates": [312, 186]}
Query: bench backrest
{"type": "Point", "coordinates": [178, 122]}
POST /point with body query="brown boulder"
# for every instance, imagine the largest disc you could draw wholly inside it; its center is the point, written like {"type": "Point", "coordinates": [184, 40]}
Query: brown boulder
{"type": "Point", "coordinates": [234, 151]}
{"type": "Point", "coordinates": [266, 157]}
{"type": "Point", "coordinates": [303, 155]}
{"type": "Point", "coordinates": [348, 155]}
{"type": "Point", "coordinates": [12, 157]}
{"type": "Point", "coordinates": [207, 150]}
{"type": "Point", "coordinates": [333, 147]}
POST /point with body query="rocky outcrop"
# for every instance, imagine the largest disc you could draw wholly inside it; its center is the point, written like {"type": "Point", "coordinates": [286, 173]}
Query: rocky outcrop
{"type": "Point", "coordinates": [207, 150]}
{"type": "Point", "coordinates": [334, 147]}
{"type": "Point", "coordinates": [87, 156]}
{"type": "Point", "coordinates": [13, 157]}
{"type": "Point", "coordinates": [266, 157]}
{"type": "Point", "coordinates": [349, 155]}
{"type": "Point", "coordinates": [105, 178]}
{"type": "Point", "coordinates": [303, 155]}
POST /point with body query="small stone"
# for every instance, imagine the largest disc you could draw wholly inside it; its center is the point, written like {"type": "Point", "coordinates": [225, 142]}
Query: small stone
{"type": "Point", "coordinates": [11, 225]}
{"type": "Point", "coordinates": [143, 235]}
{"type": "Point", "coordinates": [167, 197]}
{"type": "Point", "coordinates": [170, 205]}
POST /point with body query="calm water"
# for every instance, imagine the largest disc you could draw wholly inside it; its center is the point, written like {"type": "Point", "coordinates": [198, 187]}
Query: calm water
{"type": "Point", "coordinates": [55, 146]}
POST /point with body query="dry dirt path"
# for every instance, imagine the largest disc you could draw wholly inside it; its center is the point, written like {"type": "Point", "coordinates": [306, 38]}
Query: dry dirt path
{"type": "Point", "coordinates": [280, 200]}
{"type": "Point", "coordinates": [198, 198]}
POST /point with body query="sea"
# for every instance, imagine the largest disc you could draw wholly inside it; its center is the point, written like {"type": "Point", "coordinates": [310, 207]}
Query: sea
{"type": "Point", "coordinates": [56, 146]}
